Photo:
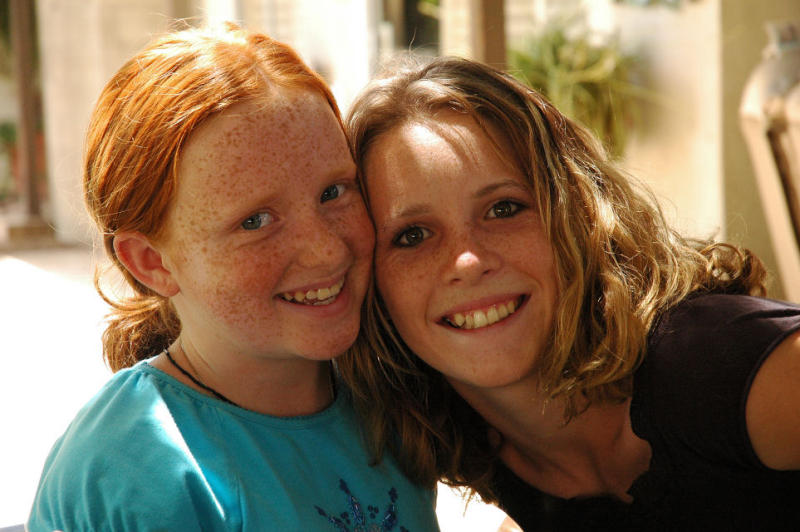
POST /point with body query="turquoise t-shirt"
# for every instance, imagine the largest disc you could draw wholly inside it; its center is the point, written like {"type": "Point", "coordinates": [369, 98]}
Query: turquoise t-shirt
{"type": "Point", "coordinates": [149, 453]}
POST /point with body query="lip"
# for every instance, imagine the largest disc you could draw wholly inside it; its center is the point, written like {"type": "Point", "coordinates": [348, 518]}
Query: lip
{"type": "Point", "coordinates": [484, 304]}
{"type": "Point", "coordinates": [339, 305]}
{"type": "Point", "coordinates": [332, 280]}
{"type": "Point", "coordinates": [341, 301]}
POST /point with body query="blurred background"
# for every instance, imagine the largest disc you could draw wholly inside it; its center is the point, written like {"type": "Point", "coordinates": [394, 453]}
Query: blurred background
{"type": "Point", "coordinates": [698, 98]}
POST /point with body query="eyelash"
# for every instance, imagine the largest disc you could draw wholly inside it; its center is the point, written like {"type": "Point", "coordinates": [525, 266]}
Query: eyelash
{"type": "Point", "coordinates": [258, 217]}
{"type": "Point", "coordinates": [337, 189]}
{"type": "Point", "coordinates": [514, 208]}
{"type": "Point", "coordinates": [397, 241]}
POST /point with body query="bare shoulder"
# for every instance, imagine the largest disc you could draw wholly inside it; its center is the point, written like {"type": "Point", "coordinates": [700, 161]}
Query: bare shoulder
{"type": "Point", "coordinates": [509, 525]}
{"type": "Point", "coordinates": [773, 407]}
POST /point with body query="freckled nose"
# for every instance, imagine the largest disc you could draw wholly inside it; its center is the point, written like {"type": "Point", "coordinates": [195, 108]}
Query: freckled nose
{"type": "Point", "coordinates": [467, 259]}
{"type": "Point", "coordinates": [470, 265]}
{"type": "Point", "coordinates": [319, 246]}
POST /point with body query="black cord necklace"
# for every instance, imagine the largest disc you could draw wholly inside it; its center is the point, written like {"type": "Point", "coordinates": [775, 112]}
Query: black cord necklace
{"type": "Point", "coordinates": [197, 382]}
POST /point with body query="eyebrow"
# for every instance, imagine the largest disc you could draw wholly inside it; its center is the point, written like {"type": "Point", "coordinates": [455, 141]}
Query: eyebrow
{"type": "Point", "coordinates": [488, 189]}
{"type": "Point", "coordinates": [412, 211]}
{"type": "Point", "coordinates": [419, 209]}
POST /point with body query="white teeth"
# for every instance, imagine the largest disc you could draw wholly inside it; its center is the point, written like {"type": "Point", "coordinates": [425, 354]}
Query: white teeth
{"type": "Point", "coordinates": [315, 297]}
{"type": "Point", "coordinates": [480, 318]}
{"type": "Point", "coordinates": [502, 312]}
{"type": "Point", "coordinates": [492, 315]}
{"type": "Point", "coordinates": [335, 289]}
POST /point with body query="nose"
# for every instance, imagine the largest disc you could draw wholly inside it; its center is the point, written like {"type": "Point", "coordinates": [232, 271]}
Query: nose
{"type": "Point", "coordinates": [319, 245]}
{"type": "Point", "coordinates": [470, 260]}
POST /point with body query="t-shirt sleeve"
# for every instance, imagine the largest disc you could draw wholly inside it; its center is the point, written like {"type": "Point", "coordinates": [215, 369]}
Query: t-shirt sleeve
{"type": "Point", "coordinates": [702, 356]}
{"type": "Point", "coordinates": [122, 465]}
{"type": "Point", "coordinates": [106, 497]}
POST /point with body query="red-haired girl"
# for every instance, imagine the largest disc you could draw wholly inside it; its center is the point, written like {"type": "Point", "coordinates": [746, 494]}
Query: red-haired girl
{"type": "Point", "coordinates": [219, 175]}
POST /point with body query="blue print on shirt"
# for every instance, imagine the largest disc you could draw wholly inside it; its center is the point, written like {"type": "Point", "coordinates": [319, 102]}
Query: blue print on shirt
{"type": "Point", "coordinates": [356, 519]}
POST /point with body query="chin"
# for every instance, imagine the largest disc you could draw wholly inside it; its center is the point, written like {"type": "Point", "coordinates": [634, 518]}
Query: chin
{"type": "Point", "coordinates": [491, 379]}
{"type": "Point", "coordinates": [331, 347]}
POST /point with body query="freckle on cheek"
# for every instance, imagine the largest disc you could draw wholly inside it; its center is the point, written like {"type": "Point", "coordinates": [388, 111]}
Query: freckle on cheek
{"type": "Point", "coordinates": [234, 309]}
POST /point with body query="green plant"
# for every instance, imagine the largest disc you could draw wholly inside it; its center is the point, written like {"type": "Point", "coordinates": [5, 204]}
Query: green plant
{"type": "Point", "coordinates": [588, 82]}
{"type": "Point", "coordinates": [8, 134]}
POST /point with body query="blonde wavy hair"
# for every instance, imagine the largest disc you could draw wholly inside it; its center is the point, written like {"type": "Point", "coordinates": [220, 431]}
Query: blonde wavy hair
{"type": "Point", "coordinates": [619, 266]}
{"type": "Point", "coordinates": [140, 125]}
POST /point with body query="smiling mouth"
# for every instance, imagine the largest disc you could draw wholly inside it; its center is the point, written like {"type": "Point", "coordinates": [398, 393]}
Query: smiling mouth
{"type": "Point", "coordinates": [480, 318]}
{"type": "Point", "coordinates": [318, 297]}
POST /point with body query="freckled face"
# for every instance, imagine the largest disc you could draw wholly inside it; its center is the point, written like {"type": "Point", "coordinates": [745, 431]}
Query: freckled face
{"type": "Point", "coordinates": [462, 260]}
{"type": "Point", "coordinates": [268, 237]}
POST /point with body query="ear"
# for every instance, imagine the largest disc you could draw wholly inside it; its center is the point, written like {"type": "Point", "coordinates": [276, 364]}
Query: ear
{"type": "Point", "coordinates": [143, 261]}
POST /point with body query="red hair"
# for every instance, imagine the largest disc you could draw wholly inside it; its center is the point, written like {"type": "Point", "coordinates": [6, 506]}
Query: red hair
{"type": "Point", "coordinates": [138, 129]}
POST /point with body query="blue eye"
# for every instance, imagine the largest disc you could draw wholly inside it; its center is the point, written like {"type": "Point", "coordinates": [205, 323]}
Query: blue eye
{"type": "Point", "coordinates": [504, 209]}
{"type": "Point", "coordinates": [257, 221]}
{"type": "Point", "coordinates": [411, 237]}
{"type": "Point", "coordinates": [332, 192]}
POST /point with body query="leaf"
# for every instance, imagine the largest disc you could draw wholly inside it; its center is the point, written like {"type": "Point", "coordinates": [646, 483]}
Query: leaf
{"type": "Point", "coordinates": [591, 83]}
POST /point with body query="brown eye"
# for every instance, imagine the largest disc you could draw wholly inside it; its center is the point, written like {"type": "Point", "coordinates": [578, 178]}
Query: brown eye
{"type": "Point", "coordinates": [411, 237]}
{"type": "Point", "coordinates": [504, 209]}
{"type": "Point", "coordinates": [332, 192]}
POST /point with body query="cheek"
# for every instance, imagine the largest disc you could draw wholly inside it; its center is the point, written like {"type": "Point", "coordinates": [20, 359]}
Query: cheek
{"type": "Point", "coordinates": [529, 250]}
{"type": "Point", "coordinates": [389, 284]}
{"type": "Point", "coordinates": [254, 272]}
{"type": "Point", "coordinates": [404, 299]}
{"type": "Point", "coordinates": [355, 228]}
{"type": "Point", "coordinates": [234, 282]}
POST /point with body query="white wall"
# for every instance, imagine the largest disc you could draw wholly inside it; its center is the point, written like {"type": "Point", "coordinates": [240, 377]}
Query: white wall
{"type": "Point", "coordinates": [82, 43]}
{"type": "Point", "coordinates": [689, 147]}
{"type": "Point", "coordinates": [335, 37]}
{"type": "Point", "coordinates": [744, 38]}
{"type": "Point", "coordinates": [678, 148]}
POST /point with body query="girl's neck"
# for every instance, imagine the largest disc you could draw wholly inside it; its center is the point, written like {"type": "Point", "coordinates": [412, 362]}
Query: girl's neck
{"type": "Point", "coordinates": [518, 411]}
{"type": "Point", "coordinates": [276, 387]}
{"type": "Point", "coordinates": [594, 453]}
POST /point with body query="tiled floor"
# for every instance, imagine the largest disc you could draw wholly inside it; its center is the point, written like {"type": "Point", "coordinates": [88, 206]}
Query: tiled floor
{"type": "Point", "coordinates": [50, 364]}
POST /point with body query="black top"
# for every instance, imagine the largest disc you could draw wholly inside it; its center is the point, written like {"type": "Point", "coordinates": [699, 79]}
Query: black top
{"type": "Point", "coordinates": [689, 404]}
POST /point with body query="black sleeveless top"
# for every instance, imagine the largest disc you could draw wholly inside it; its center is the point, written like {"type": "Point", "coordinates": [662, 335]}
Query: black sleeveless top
{"type": "Point", "coordinates": [689, 404]}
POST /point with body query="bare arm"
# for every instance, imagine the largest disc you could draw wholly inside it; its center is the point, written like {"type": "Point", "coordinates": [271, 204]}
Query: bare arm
{"type": "Point", "coordinates": [773, 407]}
{"type": "Point", "coordinates": [509, 525]}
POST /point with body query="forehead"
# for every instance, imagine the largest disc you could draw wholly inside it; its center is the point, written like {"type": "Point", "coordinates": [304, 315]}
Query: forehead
{"type": "Point", "coordinates": [458, 135]}
{"type": "Point", "coordinates": [287, 133]}
{"type": "Point", "coordinates": [270, 128]}
{"type": "Point", "coordinates": [436, 165]}
{"type": "Point", "coordinates": [448, 144]}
